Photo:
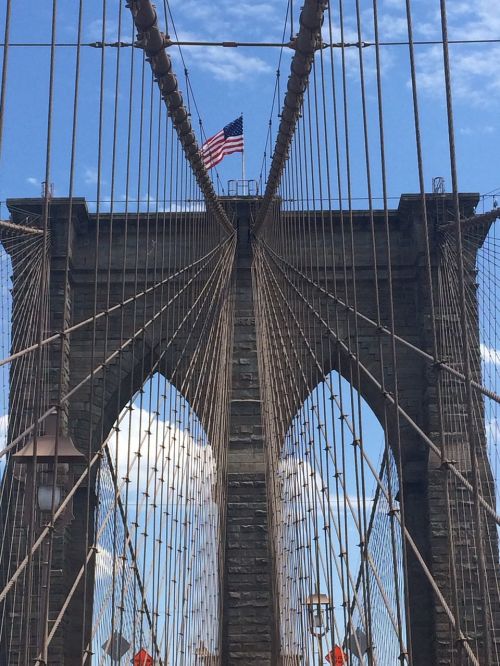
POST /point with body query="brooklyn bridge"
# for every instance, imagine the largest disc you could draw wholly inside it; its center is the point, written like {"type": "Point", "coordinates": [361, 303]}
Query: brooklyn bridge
{"type": "Point", "coordinates": [244, 423]}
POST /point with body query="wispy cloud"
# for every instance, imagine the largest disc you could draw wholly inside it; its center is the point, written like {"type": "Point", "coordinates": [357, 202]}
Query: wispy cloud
{"type": "Point", "coordinates": [490, 355]}
{"type": "Point", "coordinates": [34, 181]}
{"type": "Point", "coordinates": [90, 176]}
{"type": "Point", "coordinates": [475, 73]}
{"type": "Point", "coordinates": [94, 31]}
{"type": "Point", "coordinates": [229, 65]}
{"type": "Point", "coordinates": [474, 68]}
{"type": "Point", "coordinates": [474, 131]}
{"type": "Point", "coordinates": [4, 426]}
{"type": "Point", "coordinates": [304, 490]}
{"type": "Point", "coordinates": [226, 20]}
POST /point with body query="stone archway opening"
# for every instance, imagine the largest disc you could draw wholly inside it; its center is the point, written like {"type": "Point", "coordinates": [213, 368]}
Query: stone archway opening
{"type": "Point", "coordinates": [157, 531]}
{"type": "Point", "coordinates": [334, 531]}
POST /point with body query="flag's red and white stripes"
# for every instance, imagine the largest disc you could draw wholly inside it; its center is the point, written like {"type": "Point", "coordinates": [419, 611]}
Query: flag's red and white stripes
{"type": "Point", "coordinates": [216, 148]}
{"type": "Point", "coordinates": [228, 140]}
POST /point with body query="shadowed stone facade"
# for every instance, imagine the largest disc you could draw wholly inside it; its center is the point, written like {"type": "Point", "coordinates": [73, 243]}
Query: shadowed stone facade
{"type": "Point", "coordinates": [249, 624]}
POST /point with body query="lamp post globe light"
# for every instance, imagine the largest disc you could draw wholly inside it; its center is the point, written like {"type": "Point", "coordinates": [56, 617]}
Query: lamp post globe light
{"type": "Point", "coordinates": [317, 605]}
{"type": "Point", "coordinates": [55, 456]}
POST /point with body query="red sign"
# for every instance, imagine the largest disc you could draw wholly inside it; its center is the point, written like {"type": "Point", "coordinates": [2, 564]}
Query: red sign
{"type": "Point", "coordinates": [337, 657]}
{"type": "Point", "coordinates": [142, 658]}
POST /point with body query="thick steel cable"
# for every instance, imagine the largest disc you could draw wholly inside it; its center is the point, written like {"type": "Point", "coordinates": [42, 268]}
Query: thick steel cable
{"type": "Point", "coordinates": [306, 43]}
{"type": "Point", "coordinates": [5, 60]}
{"type": "Point", "coordinates": [153, 41]}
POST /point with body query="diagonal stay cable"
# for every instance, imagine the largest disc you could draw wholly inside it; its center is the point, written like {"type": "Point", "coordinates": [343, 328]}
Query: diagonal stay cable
{"type": "Point", "coordinates": [383, 329]}
{"type": "Point", "coordinates": [279, 297]}
{"type": "Point", "coordinates": [387, 396]}
{"type": "Point", "coordinates": [107, 311]}
{"type": "Point", "coordinates": [207, 257]}
{"type": "Point", "coordinates": [73, 490]}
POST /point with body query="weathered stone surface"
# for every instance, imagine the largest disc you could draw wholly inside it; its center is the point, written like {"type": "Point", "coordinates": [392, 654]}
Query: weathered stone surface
{"type": "Point", "coordinates": [248, 622]}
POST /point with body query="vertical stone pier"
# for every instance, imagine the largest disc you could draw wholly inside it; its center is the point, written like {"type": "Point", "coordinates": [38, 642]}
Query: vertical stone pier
{"type": "Point", "coordinates": [248, 621]}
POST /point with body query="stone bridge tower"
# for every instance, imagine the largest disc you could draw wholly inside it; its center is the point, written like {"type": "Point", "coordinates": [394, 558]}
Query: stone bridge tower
{"type": "Point", "coordinates": [250, 615]}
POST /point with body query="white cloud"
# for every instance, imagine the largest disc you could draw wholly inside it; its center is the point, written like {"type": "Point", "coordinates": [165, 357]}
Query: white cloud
{"type": "Point", "coordinates": [475, 72]}
{"type": "Point", "coordinates": [236, 66]}
{"type": "Point", "coordinates": [34, 181]}
{"type": "Point", "coordinates": [252, 11]}
{"type": "Point", "coordinates": [94, 31]}
{"type": "Point", "coordinates": [392, 27]}
{"type": "Point", "coordinates": [493, 430]}
{"type": "Point", "coordinates": [303, 491]}
{"type": "Point", "coordinates": [184, 505]}
{"type": "Point", "coordinates": [480, 21]}
{"type": "Point", "coordinates": [105, 564]}
{"type": "Point", "coordinates": [474, 68]}
{"type": "Point", "coordinates": [394, 4]}
{"type": "Point", "coordinates": [226, 64]}
{"type": "Point", "coordinates": [490, 355]}
{"type": "Point", "coordinates": [187, 465]}
{"type": "Point", "coordinates": [474, 131]}
{"type": "Point", "coordinates": [90, 176]}
{"type": "Point", "coordinates": [4, 424]}
{"type": "Point", "coordinates": [226, 20]}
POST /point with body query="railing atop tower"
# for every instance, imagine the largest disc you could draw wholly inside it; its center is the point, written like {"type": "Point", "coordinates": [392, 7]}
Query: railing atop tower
{"type": "Point", "coordinates": [243, 188]}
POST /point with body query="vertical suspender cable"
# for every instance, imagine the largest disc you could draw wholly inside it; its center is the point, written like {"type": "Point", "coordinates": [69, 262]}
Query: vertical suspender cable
{"type": "Point", "coordinates": [3, 84]}
{"type": "Point", "coordinates": [471, 434]}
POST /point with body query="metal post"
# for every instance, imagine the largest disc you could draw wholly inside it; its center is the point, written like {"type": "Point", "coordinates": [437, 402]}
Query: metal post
{"type": "Point", "coordinates": [44, 600]}
{"type": "Point", "coordinates": [320, 651]}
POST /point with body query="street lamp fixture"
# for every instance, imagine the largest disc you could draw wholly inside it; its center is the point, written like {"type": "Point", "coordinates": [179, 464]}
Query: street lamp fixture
{"type": "Point", "coordinates": [317, 604]}
{"type": "Point", "coordinates": [55, 458]}
{"type": "Point", "coordinates": [47, 471]}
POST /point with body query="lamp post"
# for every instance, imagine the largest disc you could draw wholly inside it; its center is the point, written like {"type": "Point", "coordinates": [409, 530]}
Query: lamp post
{"type": "Point", "coordinates": [317, 606]}
{"type": "Point", "coordinates": [55, 455]}
{"type": "Point", "coordinates": [46, 487]}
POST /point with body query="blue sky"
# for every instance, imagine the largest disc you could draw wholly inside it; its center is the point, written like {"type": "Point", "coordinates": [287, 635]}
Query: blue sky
{"type": "Point", "coordinates": [227, 82]}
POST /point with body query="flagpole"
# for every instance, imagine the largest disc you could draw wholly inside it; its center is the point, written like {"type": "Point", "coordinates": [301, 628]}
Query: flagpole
{"type": "Point", "coordinates": [243, 166]}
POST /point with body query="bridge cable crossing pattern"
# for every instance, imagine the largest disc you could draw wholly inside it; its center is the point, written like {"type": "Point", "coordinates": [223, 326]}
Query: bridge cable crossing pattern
{"type": "Point", "coordinates": [244, 428]}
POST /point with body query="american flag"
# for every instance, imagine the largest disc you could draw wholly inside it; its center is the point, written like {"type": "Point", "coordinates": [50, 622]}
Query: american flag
{"type": "Point", "coordinates": [228, 140]}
